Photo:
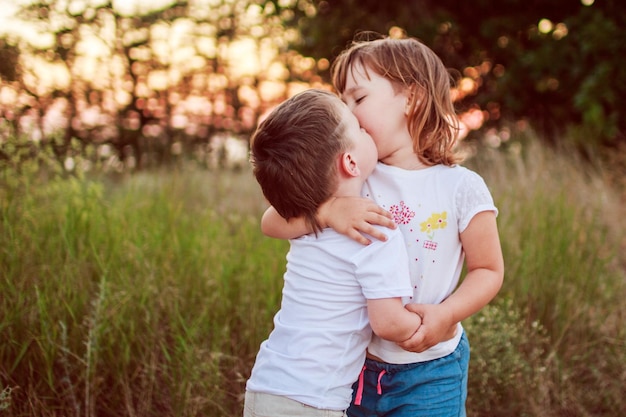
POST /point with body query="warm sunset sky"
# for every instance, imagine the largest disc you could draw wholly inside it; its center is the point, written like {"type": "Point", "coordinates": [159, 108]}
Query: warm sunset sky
{"type": "Point", "coordinates": [8, 8]}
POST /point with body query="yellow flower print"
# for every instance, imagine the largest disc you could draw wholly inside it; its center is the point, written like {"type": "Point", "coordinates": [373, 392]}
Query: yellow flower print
{"type": "Point", "coordinates": [439, 220]}
{"type": "Point", "coordinates": [434, 222]}
{"type": "Point", "coordinates": [426, 226]}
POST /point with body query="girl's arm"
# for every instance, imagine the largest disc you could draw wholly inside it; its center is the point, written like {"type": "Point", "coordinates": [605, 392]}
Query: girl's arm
{"type": "Point", "coordinates": [485, 274]}
{"type": "Point", "coordinates": [274, 225]}
{"type": "Point", "coordinates": [350, 216]}
{"type": "Point", "coordinates": [390, 320]}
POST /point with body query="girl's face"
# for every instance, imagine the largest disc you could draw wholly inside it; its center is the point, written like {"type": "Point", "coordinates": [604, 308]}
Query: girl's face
{"type": "Point", "coordinates": [380, 110]}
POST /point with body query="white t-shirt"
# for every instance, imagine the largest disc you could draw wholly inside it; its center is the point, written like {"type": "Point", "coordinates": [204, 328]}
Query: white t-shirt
{"type": "Point", "coordinates": [317, 347]}
{"type": "Point", "coordinates": [431, 206]}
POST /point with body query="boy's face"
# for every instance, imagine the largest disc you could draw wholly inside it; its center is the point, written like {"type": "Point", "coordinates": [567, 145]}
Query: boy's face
{"type": "Point", "coordinates": [363, 147]}
{"type": "Point", "coordinates": [379, 108]}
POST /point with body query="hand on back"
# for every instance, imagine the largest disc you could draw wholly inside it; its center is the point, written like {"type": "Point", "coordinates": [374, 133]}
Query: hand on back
{"type": "Point", "coordinates": [355, 217]}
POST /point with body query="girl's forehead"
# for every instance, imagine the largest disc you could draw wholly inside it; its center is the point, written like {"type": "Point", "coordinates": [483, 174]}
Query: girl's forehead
{"type": "Point", "coordinates": [359, 70]}
{"type": "Point", "coordinates": [357, 76]}
{"type": "Point", "coordinates": [364, 77]}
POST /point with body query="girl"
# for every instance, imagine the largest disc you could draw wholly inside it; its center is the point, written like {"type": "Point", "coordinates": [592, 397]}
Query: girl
{"type": "Point", "coordinates": [399, 90]}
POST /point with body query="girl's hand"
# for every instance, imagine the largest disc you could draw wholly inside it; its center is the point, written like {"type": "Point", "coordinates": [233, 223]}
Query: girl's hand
{"type": "Point", "coordinates": [355, 217]}
{"type": "Point", "coordinates": [437, 326]}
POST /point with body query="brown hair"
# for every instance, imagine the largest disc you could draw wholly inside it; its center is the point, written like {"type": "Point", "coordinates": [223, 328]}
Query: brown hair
{"type": "Point", "coordinates": [408, 63]}
{"type": "Point", "coordinates": [294, 154]}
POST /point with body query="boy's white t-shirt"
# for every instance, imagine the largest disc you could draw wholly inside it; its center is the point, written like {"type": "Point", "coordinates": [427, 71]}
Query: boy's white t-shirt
{"type": "Point", "coordinates": [317, 347]}
{"type": "Point", "coordinates": [431, 207]}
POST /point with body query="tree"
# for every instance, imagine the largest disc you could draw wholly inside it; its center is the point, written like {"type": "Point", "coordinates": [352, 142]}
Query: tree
{"type": "Point", "coordinates": [553, 63]}
{"type": "Point", "coordinates": [152, 83]}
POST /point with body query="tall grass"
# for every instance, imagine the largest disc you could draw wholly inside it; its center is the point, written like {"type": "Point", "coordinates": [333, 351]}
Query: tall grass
{"type": "Point", "coordinates": [149, 295]}
{"type": "Point", "coordinates": [556, 333]}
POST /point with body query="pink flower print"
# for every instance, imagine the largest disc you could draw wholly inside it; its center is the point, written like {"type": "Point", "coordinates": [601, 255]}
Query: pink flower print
{"type": "Point", "coordinates": [402, 214]}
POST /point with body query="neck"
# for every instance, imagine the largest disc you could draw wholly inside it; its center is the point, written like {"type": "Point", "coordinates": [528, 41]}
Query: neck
{"type": "Point", "coordinates": [349, 187]}
{"type": "Point", "coordinates": [405, 160]}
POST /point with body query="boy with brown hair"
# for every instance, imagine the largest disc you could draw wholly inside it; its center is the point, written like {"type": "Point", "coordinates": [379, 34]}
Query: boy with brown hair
{"type": "Point", "coordinates": [308, 150]}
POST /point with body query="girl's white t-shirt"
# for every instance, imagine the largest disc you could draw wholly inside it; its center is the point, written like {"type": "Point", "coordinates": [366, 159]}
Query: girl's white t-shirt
{"type": "Point", "coordinates": [431, 207]}
{"type": "Point", "coordinates": [317, 347]}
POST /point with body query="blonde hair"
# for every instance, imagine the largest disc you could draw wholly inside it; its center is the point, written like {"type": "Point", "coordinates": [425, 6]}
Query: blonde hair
{"type": "Point", "coordinates": [408, 63]}
{"type": "Point", "coordinates": [294, 153]}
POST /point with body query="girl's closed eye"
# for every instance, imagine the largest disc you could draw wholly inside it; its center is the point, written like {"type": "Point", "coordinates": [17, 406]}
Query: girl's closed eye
{"type": "Point", "coordinates": [359, 99]}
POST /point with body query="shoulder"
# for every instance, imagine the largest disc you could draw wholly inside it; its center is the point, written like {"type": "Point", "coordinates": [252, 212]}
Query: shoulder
{"type": "Point", "coordinates": [395, 240]}
{"type": "Point", "coordinates": [456, 171]}
{"type": "Point", "coordinates": [471, 196]}
{"type": "Point", "coordinates": [461, 178]}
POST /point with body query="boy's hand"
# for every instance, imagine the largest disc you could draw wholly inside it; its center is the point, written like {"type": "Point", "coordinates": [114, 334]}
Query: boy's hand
{"type": "Point", "coordinates": [437, 326]}
{"type": "Point", "coordinates": [354, 217]}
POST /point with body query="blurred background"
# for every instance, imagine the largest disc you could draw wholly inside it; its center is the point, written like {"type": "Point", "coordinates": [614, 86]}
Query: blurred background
{"type": "Point", "coordinates": [138, 83]}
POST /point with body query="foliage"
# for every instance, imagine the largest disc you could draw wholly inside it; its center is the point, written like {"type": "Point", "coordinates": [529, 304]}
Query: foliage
{"type": "Point", "coordinates": [150, 83]}
{"type": "Point", "coordinates": [149, 294]}
{"type": "Point", "coordinates": [561, 233]}
{"type": "Point", "coordinates": [554, 63]}
{"type": "Point", "coordinates": [507, 353]}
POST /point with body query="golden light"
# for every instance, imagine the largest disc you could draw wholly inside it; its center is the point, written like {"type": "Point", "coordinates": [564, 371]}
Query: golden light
{"type": "Point", "coordinates": [207, 46]}
{"type": "Point", "coordinates": [253, 62]}
{"type": "Point", "coordinates": [560, 31]}
{"type": "Point", "coordinates": [545, 26]}
{"type": "Point", "coordinates": [217, 82]}
{"type": "Point", "coordinates": [243, 56]}
{"type": "Point", "coordinates": [397, 33]}
{"type": "Point", "coordinates": [297, 87]}
{"type": "Point", "coordinates": [467, 85]}
{"type": "Point", "coordinates": [158, 80]}
{"type": "Point", "coordinates": [122, 97]}
{"type": "Point", "coordinates": [249, 96]}
{"type": "Point", "coordinates": [323, 64]}
{"type": "Point", "coordinates": [271, 91]}
{"type": "Point", "coordinates": [277, 71]}
{"type": "Point", "coordinates": [8, 95]}
{"type": "Point", "coordinates": [130, 8]}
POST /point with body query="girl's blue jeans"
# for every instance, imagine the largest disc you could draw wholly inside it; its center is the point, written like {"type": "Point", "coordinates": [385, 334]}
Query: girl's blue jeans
{"type": "Point", "coordinates": [436, 388]}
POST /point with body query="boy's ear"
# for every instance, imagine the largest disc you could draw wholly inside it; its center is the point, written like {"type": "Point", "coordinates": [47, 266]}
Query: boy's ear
{"type": "Point", "coordinates": [348, 165]}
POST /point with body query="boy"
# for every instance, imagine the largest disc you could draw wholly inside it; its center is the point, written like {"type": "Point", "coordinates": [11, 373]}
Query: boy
{"type": "Point", "coordinates": [308, 150]}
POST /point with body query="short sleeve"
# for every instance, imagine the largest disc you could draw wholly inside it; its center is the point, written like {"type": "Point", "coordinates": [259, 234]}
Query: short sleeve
{"type": "Point", "coordinates": [472, 197]}
{"type": "Point", "coordinates": [382, 268]}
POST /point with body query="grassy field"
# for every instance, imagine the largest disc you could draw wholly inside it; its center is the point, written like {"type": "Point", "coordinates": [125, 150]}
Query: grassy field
{"type": "Point", "coordinates": [149, 295]}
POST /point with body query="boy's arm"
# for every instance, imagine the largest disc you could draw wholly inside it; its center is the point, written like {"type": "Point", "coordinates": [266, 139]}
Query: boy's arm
{"type": "Point", "coordinates": [485, 273]}
{"type": "Point", "coordinates": [390, 320]}
{"type": "Point", "coordinates": [350, 216]}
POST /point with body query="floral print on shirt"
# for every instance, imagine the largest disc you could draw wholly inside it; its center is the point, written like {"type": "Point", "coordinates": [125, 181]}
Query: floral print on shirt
{"type": "Point", "coordinates": [401, 213]}
{"type": "Point", "coordinates": [434, 222]}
